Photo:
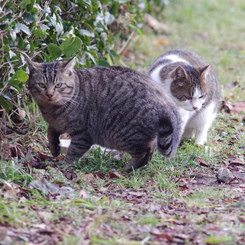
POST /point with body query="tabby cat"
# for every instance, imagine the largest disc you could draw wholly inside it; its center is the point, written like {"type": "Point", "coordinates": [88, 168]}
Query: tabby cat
{"type": "Point", "coordinates": [193, 86]}
{"type": "Point", "coordinates": [114, 107]}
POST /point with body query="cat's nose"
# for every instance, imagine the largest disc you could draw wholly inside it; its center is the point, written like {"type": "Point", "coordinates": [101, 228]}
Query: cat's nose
{"type": "Point", "coordinates": [195, 108]}
{"type": "Point", "coordinates": [50, 96]}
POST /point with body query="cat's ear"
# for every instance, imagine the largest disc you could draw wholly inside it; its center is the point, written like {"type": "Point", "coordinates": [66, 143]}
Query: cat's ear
{"type": "Point", "coordinates": [31, 64]}
{"type": "Point", "coordinates": [204, 72]}
{"type": "Point", "coordinates": [69, 65]}
{"type": "Point", "coordinates": [178, 73]}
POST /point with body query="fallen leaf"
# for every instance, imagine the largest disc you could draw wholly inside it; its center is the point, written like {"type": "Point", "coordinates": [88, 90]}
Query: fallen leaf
{"type": "Point", "coordinates": [70, 176]}
{"type": "Point", "coordinates": [103, 189]}
{"type": "Point", "coordinates": [9, 186]}
{"type": "Point", "coordinates": [137, 193]}
{"type": "Point", "coordinates": [238, 161]}
{"type": "Point", "coordinates": [115, 175]}
{"type": "Point", "coordinates": [202, 162]}
{"type": "Point", "coordinates": [99, 175]}
{"type": "Point", "coordinates": [43, 156]}
{"type": "Point", "coordinates": [184, 187]}
{"type": "Point", "coordinates": [160, 42]}
{"type": "Point", "coordinates": [32, 160]}
{"type": "Point", "coordinates": [83, 193]}
{"type": "Point", "coordinates": [239, 107]}
{"type": "Point", "coordinates": [241, 219]}
{"type": "Point", "coordinates": [88, 177]}
{"type": "Point", "coordinates": [226, 107]}
{"type": "Point", "coordinates": [162, 235]}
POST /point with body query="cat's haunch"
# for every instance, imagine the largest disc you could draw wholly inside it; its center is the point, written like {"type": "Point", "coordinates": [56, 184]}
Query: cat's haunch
{"type": "Point", "coordinates": [114, 107]}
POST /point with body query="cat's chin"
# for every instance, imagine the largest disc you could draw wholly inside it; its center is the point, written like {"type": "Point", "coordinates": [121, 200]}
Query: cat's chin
{"type": "Point", "coordinates": [190, 109]}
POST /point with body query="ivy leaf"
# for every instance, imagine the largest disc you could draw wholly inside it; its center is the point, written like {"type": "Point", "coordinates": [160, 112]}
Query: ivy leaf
{"type": "Point", "coordinates": [54, 51]}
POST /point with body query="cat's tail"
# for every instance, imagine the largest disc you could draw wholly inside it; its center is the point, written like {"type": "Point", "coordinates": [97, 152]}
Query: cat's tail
{"type": "Point", "coordinates": [169, 133]}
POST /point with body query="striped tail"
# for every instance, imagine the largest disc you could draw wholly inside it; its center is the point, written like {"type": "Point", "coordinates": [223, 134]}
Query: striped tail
{"type": "Point", "coordinates": [168, 136]}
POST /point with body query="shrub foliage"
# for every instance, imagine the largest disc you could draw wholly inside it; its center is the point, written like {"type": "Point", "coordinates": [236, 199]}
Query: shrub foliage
{"type": "Point", "coordinates": [53, 30]}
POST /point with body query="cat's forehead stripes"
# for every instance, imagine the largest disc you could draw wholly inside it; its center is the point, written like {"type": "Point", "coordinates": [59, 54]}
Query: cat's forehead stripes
{"type": "Point", "coordinates": [50, 71]}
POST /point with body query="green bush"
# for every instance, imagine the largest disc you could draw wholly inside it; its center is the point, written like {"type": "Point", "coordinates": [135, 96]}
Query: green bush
{"type": "Point", "coordinates": [53, 30]}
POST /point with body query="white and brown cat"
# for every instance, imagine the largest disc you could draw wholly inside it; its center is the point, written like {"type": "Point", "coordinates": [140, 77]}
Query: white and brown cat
{"type": "Point", "coordinates": [194, 87]}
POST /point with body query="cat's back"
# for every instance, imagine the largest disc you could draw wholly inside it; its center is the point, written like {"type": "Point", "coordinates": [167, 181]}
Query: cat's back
{"type": "Point", "coordinates": [174, 58]}
{"type": "Point", "coordinates": [121, 98]}
{"type": "Point", "coordinates": [123, 81]}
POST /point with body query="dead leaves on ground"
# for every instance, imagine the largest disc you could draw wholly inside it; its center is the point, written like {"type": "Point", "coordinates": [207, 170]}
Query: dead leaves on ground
{"type": "Point", "coordinates": [237, 107]}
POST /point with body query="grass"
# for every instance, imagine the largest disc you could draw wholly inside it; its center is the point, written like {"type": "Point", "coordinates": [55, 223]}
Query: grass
{"type": "Point", "coordinates": [169, 201]}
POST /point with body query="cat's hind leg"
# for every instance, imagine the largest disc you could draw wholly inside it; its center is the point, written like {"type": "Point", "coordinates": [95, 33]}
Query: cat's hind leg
{"type": "Point", "coordinates": [138, 161]}
{"type": "Point", "coordinates": [141, 158]}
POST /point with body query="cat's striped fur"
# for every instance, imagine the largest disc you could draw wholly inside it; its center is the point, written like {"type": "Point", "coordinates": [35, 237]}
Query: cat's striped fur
{"type": "Point", "coordinates": [194, 87]}
{"type": "Point", "coordinates": [114, 107]}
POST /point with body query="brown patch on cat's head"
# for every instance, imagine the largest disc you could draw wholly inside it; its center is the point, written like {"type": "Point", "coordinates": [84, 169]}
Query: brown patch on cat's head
{"type": "Point", "coordinates": [203, 76]}
{"type": "Point", "coordinates": [180, 86]}
{"type": "Point", "coordinates": [186, 80]}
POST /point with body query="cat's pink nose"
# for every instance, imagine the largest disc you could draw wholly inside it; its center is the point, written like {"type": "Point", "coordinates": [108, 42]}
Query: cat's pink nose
{"type": "Point", "coordinates": [195, 108]}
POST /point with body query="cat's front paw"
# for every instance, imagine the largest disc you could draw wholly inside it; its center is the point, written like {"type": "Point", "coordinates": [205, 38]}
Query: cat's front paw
{"type": "Point", "coordinates": [55, 150]}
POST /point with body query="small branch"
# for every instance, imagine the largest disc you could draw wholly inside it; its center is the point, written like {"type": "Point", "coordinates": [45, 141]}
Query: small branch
{"type": "Point", "coordinates": [126, 43]}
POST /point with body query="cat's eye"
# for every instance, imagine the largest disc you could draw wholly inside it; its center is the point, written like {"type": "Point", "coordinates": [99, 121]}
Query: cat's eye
{"type": "Point", "coordinates": [42, 85]}
{"type": "Point", "coordinates": [201, 96]}
{"type": "Point", "coordinates": [188, 97]}
{"type": "Point", "coordinates": [58, 85]}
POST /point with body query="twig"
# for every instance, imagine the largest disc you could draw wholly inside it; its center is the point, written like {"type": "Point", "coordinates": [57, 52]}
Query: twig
{"type": "Point", "coordinates": [126, 43]}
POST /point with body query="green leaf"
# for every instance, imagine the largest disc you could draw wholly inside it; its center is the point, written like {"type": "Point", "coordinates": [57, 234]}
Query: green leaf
{"type": "Point", "coordinates": [23, 28]}
{"type": "Point", "coordinates": [39, 33]}
{"type": "Point", "coordinates": [65, 44]}
{"type": "Point", "coordinates": [7, 105]}
{"type": "Point", "coordinates": [75, 45]}
{"type": "Point", "coordinates": [217, 239]}
{"type": "Point", "coordinates": [88, 2]}
{"type": "Point", "coordinates": [102, 63]}
{"type": "Point", "coordinates": [20, 75]}
{"type": "Point", "coordinates": [54, 51]}
{"type": "Point", "coordinates": [32, 47]}
{"type": "Point", "coordinates": [44, 27]}
{"type": "Point", "coordinates": [25, 2]}
{"type": "Point", "coordinates": [91, 57]}
{"type": "Point", "coordinates": [116, 37]}
{"type": "Point", "coordinates": [21, 42]}
{"type": "Point", "coordinates": [84, 32]}
{"type": "Point", "coordinates": [28, 18]}
{"type": "Point", "coordinates": [29, 7]}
